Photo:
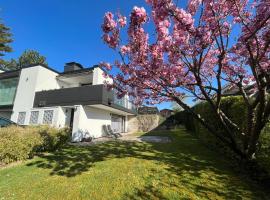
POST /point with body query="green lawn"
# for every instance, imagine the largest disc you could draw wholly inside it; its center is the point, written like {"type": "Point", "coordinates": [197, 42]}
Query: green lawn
{"type": "Point", "coordinates": [183, 169]}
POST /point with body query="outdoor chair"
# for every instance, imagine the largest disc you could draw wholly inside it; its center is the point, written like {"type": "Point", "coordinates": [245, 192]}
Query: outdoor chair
{"type": "Point", "coordinates": [111, 131]}
{"type": "Point", "coordinates": [107, 133]}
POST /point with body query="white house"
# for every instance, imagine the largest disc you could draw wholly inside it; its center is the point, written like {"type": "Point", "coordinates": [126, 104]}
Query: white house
{"type": "Point", "coordinates": [76, 98]}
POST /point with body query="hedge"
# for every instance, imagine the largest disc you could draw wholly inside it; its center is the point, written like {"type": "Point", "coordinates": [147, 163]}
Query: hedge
{"type": "Point", "coordinates": [235, 109]}
{"type": "Point", "coordinates": [20, 143]}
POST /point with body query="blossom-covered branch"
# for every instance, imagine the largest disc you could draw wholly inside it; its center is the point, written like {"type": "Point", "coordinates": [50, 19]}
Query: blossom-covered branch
{"type": "Point", "coordinates": [196, 52]}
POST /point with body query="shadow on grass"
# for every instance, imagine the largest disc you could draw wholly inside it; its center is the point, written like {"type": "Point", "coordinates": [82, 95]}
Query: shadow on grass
{"type": "Point", "coordinates": [187, 162]}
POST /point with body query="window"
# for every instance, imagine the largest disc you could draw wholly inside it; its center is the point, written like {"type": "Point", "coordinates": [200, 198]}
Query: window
{"type": "Point", "coordinates": [48, 116]}
{"type": "Point", "coordinates": [7, 91]}
{"type": "Point", "coordinates": [21, 118]}
{"type": "Point", "coordinates": [34, 117]}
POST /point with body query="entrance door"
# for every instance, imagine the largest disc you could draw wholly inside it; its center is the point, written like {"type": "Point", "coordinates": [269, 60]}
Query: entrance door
{"type": "Point", "coordinates": [71, 118]}
{"type": "Point", "coordinates": [69, 115]}
{"type": "Point", "coordinates": [117, 123]}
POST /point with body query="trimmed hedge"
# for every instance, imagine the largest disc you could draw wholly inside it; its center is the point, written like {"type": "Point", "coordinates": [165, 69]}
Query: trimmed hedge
{"type": "Point", "coordinates": [18, 143]}
{"type": "Point", "coordinates": [263, 153]}
{"type": "Point", "coordinates": [235, 109]}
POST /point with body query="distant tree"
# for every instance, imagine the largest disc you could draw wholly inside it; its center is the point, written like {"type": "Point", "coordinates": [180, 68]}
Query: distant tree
{"type": "Point", "coordinates": [5, 39]}
{"type": "Point", "coordinates": [10, 65]}
{"type": "Point", "coordinates": [30, 57]}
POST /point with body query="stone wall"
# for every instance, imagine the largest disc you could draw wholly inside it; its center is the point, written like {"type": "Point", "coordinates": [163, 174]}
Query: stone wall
{"type": "Point", "coordinates": [143, 122]}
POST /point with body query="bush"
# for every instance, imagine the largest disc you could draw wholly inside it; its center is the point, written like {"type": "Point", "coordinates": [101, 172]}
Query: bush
{"type": "Point", "coordinates": [53, 138]}
{"type": "Point", "coordinates": [264, 148]}
{"type": "Point", "coordinates": [18, 143]}
{"type": "Point", "coordinates": [235, 108]}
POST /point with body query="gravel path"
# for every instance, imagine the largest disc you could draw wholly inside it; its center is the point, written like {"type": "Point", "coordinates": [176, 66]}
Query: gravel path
{"type": "Point", "coordinates": [154, 139]}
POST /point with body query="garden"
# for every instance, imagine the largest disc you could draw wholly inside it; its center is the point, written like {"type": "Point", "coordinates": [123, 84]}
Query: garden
{"type": "Point", "coordinates": [213, 53]}
{"type": "Point", "coordinates": [182, 169]}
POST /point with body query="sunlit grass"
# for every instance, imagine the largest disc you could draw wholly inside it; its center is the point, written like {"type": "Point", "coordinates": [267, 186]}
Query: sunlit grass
{"type": "Point", "coordinates": [183, 169]}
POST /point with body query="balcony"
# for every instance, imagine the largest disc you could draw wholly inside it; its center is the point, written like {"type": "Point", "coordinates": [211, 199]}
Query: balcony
{"type": "Point", "coordinates": [124, 102]}
{"type": "Point", "coordinates": [84, 95]}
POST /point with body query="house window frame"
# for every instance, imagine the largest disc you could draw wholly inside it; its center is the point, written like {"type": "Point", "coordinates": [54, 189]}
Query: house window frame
{"type": "Point", "coordinates": [36, 119]}
{"type": "Point", "coordinates": [45, 121]}
{"type": "Point", "coordinates": [21, 118]}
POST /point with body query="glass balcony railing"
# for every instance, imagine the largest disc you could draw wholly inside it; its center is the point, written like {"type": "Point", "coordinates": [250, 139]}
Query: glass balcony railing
{"type": "Point", "coordinates": [7, 91]}
{"type": "Point", "coordinates": [124, 102]}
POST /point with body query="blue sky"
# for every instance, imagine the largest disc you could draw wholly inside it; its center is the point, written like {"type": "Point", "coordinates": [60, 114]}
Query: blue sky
{"type": "Point", "coordinates": [62, 30]}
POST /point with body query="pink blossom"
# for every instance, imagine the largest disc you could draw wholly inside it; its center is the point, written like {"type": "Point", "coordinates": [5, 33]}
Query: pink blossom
{"type": "Point", "coordinates": [125, 49]}
{"type": "Point", "coordinates": [106, 65]}
{"type": "Point", "coordinates": [193, 6]}
{"type": "Point", "coordinates": [139, 15]}
{"type": "Point", "coordinates": [139, 12]}
{"type": "Point", "coordinates": [189, 48]}
{"type": "Point", "coordinates": [122, 20]}
{"type": "Point", "coordinates": [109, 23]}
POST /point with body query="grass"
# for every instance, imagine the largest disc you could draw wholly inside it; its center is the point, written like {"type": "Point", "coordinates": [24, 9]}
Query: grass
{"type": "Point", "coordinates": [183, 169]}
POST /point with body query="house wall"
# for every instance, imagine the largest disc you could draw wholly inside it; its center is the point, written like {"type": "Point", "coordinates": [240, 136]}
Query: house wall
{"type": "Point", "coordinates": [32, 79]}
{"type": "Point", "coordinates": [88, 121]}
{"type": "Point", "coordinates": [46, 80]}
{"type": "Point", "coordinates": [98, 77]}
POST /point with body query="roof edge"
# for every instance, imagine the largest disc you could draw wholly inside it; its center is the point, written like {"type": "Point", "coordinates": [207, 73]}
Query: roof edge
{"type": "Point", "coordinates": [32, 65]}
{"type": "Point", "coordinates": [42, 65]}
{"type": "Point", "coordinates": [82, 70]}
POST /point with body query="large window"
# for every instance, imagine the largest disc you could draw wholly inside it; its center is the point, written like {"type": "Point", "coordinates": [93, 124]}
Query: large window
{"type": "Point", "coordinates": [7, 91]}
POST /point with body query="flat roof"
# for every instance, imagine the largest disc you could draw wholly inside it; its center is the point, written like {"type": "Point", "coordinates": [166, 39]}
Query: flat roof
{"type": "Point", "coordinates": [84, 70]}
{"type": "Point", "coordinates": [32, 65]}
{"type": "Point", "coordinates": [78, 71]}
{"type": "Point", "coordinates": [14, 73]}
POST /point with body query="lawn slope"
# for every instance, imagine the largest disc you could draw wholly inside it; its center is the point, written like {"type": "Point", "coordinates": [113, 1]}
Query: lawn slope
{"type": "Point", "coordinates": [183, 169]}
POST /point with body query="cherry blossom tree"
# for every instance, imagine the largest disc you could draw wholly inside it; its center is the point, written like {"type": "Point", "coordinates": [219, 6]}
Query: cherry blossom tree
{"type": "Point", "coordinates": [194, 52]}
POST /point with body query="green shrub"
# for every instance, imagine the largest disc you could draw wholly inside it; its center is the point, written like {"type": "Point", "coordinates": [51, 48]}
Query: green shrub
{"type": "Point", "coordinates": [235, 109]}
{"type": "Point", "coordinates": [183, 118]}
{"type": "Point", "coordinates": [18, 143]}
{"type": "Point", "coordinates": [53, 138]}
{"type": "Point", "coordinates": [264, 147]}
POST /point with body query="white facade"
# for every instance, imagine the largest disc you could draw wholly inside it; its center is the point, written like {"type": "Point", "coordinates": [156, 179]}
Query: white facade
{"type": "Point", "coordinates": [85, 120]}
{"type": "Point", "coordinates": [31, 80]}
{"type": "Point", "coordinates": [88, 121]}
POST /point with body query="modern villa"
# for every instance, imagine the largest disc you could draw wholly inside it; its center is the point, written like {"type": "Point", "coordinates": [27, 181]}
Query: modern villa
{"type": "Point", "coordinates": [76, 98]}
